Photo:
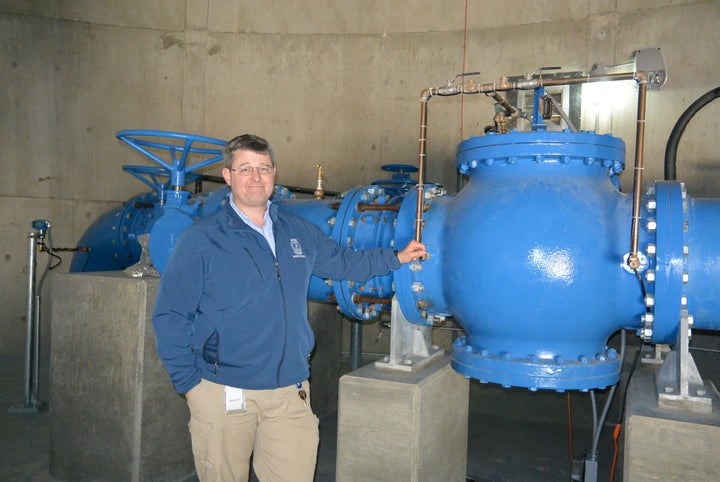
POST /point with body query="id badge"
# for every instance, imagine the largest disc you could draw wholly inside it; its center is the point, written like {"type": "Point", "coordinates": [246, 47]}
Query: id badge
{"type": "Point", "coordinates": [234, 400]}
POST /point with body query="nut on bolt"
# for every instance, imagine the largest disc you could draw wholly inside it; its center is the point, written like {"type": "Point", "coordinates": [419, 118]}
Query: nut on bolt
{"type": "Point", "coordinates": [633, 261]}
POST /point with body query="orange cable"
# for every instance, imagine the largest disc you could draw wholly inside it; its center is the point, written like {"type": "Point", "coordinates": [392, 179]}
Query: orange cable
{"type": "Point", "coordinates": [616, 436]}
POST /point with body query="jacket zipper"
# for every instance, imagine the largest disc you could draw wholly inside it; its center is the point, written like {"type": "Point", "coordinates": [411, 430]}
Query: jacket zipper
{"type": "Point", "coordinates": [285, 322]}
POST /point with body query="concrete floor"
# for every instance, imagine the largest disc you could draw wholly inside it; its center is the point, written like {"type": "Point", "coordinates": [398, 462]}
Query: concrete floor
{"type": "Point", "coordinates": [513, 434]}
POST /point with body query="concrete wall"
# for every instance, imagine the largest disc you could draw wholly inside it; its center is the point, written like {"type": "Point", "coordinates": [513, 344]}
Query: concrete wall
{"type": "Point", "coordinates": [330, 82]}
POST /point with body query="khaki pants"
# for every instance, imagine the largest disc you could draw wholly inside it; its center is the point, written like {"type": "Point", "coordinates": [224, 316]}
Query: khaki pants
{"type": "Point", "coordinates": [277, 429]}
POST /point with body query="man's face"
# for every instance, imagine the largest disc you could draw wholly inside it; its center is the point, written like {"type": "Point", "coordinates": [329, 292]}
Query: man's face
{"type": "Point", "coordinates": [254, 190]}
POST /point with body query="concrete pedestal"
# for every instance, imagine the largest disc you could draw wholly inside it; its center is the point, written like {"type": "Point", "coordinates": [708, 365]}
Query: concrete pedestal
{"type": "Point", "coordinates": [409, 427]}
{"type": "Point", "coordinates": [114, 415]}
{"type": "Point", "coordinates": [667, 443]}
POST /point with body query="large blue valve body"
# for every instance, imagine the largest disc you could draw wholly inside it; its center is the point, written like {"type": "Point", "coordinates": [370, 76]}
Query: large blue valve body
{"type": "Point", "coordinates": [530, 258]}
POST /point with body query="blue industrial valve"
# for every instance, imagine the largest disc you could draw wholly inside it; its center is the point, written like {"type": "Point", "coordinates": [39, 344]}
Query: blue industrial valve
{"type": "Point", "coordinates": [531, 257]}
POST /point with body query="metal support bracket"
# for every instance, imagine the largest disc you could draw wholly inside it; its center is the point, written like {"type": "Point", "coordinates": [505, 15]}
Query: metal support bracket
{"type": "Point", "coordinates": [656, 356]}
{"type": "Point", "coordinates": [678, 382]}
{"type": "Point", "coordinates": [411, 345]}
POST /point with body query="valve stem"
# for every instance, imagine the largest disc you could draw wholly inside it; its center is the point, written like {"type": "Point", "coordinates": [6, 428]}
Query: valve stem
{"type": "Point", "coordinates": [319, 191]}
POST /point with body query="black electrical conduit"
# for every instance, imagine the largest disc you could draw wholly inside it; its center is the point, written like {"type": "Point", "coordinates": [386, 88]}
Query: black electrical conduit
{"type": "Point", "coordinates": [677, 132]}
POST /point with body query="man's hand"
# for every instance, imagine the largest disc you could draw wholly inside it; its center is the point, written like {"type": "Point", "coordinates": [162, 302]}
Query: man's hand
{"type": "Point", "coordinates": [192, 391]}
{"type": "Point", "coordinates": [413, 251]}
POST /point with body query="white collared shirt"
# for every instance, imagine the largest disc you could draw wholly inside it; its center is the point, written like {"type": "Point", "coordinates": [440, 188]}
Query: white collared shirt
{"type": "Point", "coordinates": [266, 230]}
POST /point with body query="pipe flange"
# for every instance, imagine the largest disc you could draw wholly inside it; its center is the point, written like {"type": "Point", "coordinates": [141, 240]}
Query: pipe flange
{"type": "Point", "coordinates": [359, 228]}
{"type": "Point", "coordinates": [668, 261]}
{"type": "Point", "coordinates": [529, 148]}
{"type": "Point", "coordinates": [558, 373]}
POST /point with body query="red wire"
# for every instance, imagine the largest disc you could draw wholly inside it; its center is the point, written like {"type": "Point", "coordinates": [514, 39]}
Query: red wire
{"type": "Point", "coordinates": [616, 436]}
{"type": "Point", "coordinates": [571, 443]}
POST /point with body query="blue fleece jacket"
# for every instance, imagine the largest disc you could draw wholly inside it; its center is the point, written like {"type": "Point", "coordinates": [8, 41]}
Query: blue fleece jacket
{"type": "Point", "coordinates": [229, 311]}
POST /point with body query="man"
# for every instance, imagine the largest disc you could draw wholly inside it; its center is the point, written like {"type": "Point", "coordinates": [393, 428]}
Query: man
{"type": "Point", "coordinates": [231, 323]}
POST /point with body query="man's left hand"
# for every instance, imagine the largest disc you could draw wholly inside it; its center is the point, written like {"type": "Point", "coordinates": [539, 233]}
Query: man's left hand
{"type": "Point", "coordinates": [413, 251]}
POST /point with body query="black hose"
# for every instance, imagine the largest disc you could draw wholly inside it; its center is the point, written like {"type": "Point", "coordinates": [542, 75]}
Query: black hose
{"type": "Point", "coordinates": [677, 132]}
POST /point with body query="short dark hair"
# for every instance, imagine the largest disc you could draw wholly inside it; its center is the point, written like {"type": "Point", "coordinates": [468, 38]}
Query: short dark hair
{"type": "Point", "coordinates": [247, 142]}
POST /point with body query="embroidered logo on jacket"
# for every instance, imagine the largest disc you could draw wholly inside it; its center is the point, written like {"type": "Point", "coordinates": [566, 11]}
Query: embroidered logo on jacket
{"type": "Point", "coordinates": [297, 249]}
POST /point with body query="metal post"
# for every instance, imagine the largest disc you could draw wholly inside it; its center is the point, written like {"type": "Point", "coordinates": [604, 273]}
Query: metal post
{"type": "Point", "coordinates": [30, 404]}
{"type": "Point", "coordinates": [356, 330]}
{"type": "Point", "coordinates": [30, 315]}
{"type": "Point", "coordinates": [35, 386]}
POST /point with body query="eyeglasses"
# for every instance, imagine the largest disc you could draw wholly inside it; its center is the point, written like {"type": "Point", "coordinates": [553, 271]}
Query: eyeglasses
{"type": "Point", "coordinates": [248, 170]}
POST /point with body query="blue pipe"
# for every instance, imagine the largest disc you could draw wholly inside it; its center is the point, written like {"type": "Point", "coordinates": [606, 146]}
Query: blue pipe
{"type": "Point", "coordinates": [530, 258]}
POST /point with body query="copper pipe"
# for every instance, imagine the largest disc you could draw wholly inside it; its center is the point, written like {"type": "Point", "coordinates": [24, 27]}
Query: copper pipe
{"type": "Point", "coordinates": [514, 111]}
{"type": "Point", "coordinates": [377, 207]}
{"type": "Point", "coordinates": [634, 260]}
{"type": "Point", "coordinates": [524, 84]}
{"type": "Point", "coordinates": [528, 84]}
{"type": "Point", "coordinates": [425, 97]}
{"type": "Point", "coordinates": [587, 79]}
{"type": "Point", "coordinates": [358, 298]}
